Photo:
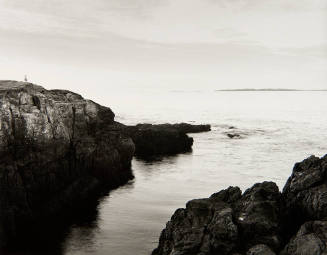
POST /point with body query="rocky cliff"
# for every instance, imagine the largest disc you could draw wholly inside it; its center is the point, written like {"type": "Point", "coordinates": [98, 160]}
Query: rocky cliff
{"type": "Point", "coordinates": [261, 221]}
{"type": "Point", "coordinates": [56, 148]}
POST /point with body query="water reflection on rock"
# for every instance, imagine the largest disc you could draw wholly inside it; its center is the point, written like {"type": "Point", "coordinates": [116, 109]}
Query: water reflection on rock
{"type": "Point", "coordinates": [50, 238]}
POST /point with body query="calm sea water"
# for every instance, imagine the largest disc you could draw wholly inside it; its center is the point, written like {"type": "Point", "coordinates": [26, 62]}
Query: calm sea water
{"type": "Point", "coordinates": [279, 129]}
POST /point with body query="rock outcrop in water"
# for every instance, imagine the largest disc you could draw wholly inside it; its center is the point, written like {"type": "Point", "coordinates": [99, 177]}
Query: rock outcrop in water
{"type": "Point", "coordinates": [262, 221]}
{"type": "Point", "coordinates": [56, 148]}
{"type": "Point", "coordinates": [231, 136]}
{"type": "Point", "coordinates": [151, 140]}
{"type": "Point", "coordinates": [187, 128]}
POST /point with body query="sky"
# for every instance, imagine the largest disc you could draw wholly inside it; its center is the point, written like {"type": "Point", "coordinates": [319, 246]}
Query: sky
{"type": "Point", "coordinates": [99, 46]}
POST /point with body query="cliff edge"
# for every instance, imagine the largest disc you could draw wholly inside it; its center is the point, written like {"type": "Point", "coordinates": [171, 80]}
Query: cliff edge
{"type": "Point", "coordinates": [56, 148]}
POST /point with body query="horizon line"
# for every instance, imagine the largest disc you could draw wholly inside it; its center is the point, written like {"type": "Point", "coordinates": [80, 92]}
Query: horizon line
{"type": "Point", "coordinates": [267, 89]}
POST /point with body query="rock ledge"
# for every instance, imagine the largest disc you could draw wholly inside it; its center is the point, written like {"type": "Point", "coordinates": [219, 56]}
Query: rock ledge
{"type": "Point", "coordinates": [163, 139]}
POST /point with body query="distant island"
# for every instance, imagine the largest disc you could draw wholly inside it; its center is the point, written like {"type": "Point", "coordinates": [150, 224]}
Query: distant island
{"type": "Point", "coordinates": [269, 89]}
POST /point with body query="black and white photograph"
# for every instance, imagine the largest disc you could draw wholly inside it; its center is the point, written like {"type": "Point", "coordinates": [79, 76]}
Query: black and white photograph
{"type": "Point", "coordinates": [163, 127]}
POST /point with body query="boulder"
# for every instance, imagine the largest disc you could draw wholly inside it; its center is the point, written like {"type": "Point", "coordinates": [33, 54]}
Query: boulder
{"type": "Point", "coordinates": [205, 226]}
{"type": "Point", "coordinates": [260, 221]}
{"type": "Point", "coordinates": [226, 223]}
{"type": "Point", "coordinates": [233, 135]}
{"type": "Point", "coordinates": [56, 148]}
{"type": "Point", "coordinates": [310, 239]}
{"type": "Point", "coordinates": [258, 216]}
{"type": "Point", "coordinates": [305, 193]}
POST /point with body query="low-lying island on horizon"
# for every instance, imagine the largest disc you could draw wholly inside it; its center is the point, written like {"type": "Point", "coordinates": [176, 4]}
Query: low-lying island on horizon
{"type": "Point", "coordinates": [59, 152]}
{"type": "Point", "coordinates": [163, 127]}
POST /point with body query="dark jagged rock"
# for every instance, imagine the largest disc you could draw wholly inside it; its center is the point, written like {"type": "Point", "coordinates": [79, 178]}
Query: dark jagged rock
{"type": "Point", "coordinates": [310, 239]}
{"type": "Point", "coordinates": [225, 223]}
{"type": "Point", "coordinates": [205, 226]}
{"type": "Point", "coordinates": [233, 135]}
{"type": "Point", "coordinates": [305, 196]}
{"type": "Point", "coordinates": [261, 221]}
{"type": "Point", "coordinates": [260, 249]}
{"type": "Point", "coordinates": [257, 215]}
{"type": "Point", "coordinates": [305, 193]}
{"type": "Point", "coordinates": [56, 148]}
{"type": "Point", "coordinates": [236, 133]}
{"type": "Point", "coordinates": [306, 190]}
{"type": "Point", "coordinates": [151, 140]}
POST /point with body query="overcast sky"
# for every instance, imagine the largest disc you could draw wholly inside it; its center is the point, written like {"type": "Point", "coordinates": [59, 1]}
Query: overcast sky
{"type": "Point", "coordinates": [99, 45]}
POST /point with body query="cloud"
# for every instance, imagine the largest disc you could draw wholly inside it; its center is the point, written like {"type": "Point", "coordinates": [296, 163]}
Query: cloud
{"type": "Point", "coordinates": [216, 40]}
{"type": "Point", "coordinates": [278, 23]}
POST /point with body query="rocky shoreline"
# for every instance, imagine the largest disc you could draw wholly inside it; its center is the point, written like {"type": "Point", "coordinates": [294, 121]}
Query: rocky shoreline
{"type": "Point", "coordinates": [58, 150]}
{"type": "Point", "coordinates": [261, 221]}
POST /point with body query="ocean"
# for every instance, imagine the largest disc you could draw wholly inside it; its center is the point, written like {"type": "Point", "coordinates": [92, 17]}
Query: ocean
{"type": "Point", "coordinates": [277, 129]}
